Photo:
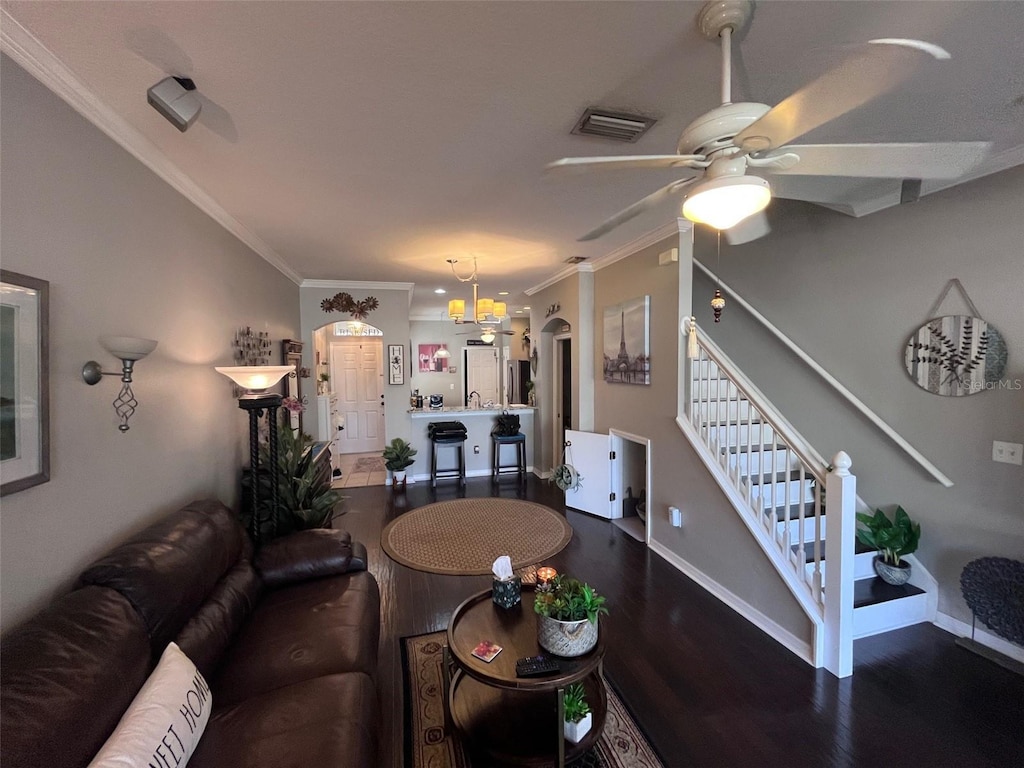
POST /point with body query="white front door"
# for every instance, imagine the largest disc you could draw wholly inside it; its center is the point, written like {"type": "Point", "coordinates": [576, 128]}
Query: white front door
{"type": "Point", "coordinates": [482, 373]}
{"type": "Point", "coordinates": [590, 454]}
{"type": "Point", "coordinates": [357, 376]}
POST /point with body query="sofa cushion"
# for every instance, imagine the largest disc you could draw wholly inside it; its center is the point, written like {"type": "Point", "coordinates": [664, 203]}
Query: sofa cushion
{"type": "Point", "coordinates": [168, 569]}
{"type": "Point", "coordinates": [308, 630]}
{"type": "Point", "coordinates": [66, 677]}
{"type": "Point", "coordinates": [328, 721]}
{"type": "Point", "coordinates": [164, 722]}
{"type": "Point", "coordinates": [212, 628]}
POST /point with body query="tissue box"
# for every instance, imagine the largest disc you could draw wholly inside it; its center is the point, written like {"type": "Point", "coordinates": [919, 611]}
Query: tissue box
{"type": "Point", "coordinates": [508, 592]}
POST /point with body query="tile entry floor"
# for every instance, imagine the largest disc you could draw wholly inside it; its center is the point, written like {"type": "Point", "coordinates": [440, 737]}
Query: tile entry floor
{"type": "Point", "coordinates": [352, 477]}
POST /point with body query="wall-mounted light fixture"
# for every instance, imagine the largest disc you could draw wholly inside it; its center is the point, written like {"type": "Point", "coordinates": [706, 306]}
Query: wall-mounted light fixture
{"type": "Point", "coordinates": [255, 380]}
{"type": "Point", "coordinates": [127, 349]}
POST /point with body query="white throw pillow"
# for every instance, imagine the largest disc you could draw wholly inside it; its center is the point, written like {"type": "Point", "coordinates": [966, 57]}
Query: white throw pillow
{"type": "Point", "coordinates": [165, 720]}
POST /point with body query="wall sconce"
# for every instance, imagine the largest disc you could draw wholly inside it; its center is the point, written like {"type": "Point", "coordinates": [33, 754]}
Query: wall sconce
{"type": "Point", "coordinates": [127, 349]}
{"type": "Point", "coordinates": [255, 380]}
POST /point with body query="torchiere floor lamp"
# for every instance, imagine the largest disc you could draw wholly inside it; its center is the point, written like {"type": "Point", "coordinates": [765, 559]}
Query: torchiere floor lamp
{"type": "Point", "coordinates": [256, 379]}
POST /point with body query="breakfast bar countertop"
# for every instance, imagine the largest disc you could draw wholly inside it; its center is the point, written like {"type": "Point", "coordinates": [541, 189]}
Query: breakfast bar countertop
{"type": "Point", "coordinates": [419, 413]}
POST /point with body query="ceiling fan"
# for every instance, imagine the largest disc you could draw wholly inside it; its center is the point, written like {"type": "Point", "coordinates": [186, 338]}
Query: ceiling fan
{"type": "Point", "coordinates": [487, 313]}
{"type": "Point", "coordinates": [736, 149]}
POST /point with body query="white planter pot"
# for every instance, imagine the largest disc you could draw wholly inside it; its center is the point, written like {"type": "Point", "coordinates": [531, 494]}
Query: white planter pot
{"type": "Point", "coordinates": [566, 638]}
{"type": "Point", "coordinates": [575, 732]}
{"type": "Point", "coordinates": [398, 477]}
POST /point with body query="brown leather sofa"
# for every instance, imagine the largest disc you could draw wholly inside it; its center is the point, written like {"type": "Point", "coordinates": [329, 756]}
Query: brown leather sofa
{"type": "Point", "coordinates": [287, 641]}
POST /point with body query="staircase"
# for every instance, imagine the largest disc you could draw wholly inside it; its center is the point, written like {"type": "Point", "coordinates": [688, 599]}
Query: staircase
{"type": "Point", "coordinates": [781, 488]}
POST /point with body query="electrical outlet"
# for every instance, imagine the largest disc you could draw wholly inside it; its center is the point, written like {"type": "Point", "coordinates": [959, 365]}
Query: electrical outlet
{"type": "Point", "coordinates": [451, 386]}
{"type": "Point", "coordinates": [476, 449]}
{"type": "Point", "coordinates": [1007, 453]}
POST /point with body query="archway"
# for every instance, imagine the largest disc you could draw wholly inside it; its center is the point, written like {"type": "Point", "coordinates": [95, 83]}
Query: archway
{"type": "Point", "coordinates": [349, 371]}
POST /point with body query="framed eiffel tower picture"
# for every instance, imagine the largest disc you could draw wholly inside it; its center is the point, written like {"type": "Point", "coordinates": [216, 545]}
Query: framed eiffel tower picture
{"type": "Point", "coordinates": [627, 342]}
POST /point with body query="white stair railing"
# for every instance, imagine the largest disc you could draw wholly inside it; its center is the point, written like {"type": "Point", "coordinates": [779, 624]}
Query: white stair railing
{"type": "Point", "coordinates": [777, 483]}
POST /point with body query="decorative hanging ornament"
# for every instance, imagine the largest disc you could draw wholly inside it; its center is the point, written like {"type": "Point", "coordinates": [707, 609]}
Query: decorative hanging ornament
{"type": "Point", "coordinates": [718, 304]}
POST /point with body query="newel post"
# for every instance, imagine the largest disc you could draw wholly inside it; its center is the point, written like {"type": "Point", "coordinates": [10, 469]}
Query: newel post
{"type": "Point", "coordinates": [841, 506]}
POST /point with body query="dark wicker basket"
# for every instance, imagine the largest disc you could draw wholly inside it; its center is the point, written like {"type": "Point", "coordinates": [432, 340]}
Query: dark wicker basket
{"type": "Point", "coordinates": [994, 590]}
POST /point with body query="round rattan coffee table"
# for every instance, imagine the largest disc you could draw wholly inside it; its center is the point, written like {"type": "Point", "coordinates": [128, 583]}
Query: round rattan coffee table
{"type": "Point", "coordinates": [511, 720]}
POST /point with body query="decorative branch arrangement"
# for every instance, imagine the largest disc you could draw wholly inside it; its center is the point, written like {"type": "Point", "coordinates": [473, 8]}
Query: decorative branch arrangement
{"type": "Point", "coordinates": [343, 302]}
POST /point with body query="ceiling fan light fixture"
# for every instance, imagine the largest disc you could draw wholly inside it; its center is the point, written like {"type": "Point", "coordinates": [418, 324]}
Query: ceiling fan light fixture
{"type": "Point", "coordinates": [456, 309]}
{"type": "Point", "coordinates": [727, 200]}
{"type": "Point", "coordinates": [487, 336]}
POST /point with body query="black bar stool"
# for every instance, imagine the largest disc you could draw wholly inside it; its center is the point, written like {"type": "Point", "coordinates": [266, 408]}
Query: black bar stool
{"type": "Point", "coordinates": [519, 441]}
{"type": "Point", "coordinates": [459, 443]}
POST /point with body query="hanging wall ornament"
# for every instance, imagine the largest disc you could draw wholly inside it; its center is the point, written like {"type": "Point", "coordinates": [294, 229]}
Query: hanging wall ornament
{"type": "Point", "coordinates": [718, 304]}
{"type": "Point", "coordinates": [956, 355]}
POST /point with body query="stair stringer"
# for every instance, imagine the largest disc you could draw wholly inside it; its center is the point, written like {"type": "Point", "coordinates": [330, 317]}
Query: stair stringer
{"type": "Point", "coordinates": [763, 534]}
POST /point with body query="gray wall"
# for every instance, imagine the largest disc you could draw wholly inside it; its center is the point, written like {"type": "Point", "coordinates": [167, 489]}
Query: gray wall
{"type": "Point", "coordinates": [124, 254]}
{"type": "Point", "coordinates": [713, 539]}
{"type": "Point", "coordinates": [850, 292]}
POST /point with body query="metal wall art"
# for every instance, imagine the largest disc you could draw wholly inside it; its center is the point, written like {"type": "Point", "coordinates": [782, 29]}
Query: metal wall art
{"type": "Point", "coordinates": [343, 302]}
{"type": "Point", "coordinates": [956, 355]}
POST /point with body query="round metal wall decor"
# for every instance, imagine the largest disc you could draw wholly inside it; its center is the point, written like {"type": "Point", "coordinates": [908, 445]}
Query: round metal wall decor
{"type": "Point", "coordinates": [956, 355]}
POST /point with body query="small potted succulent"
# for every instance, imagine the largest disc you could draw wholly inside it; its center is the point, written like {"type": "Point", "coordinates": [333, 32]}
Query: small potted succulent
{"type": "Point", "coordinates": [893, 539]}
{"type": "Point", "coordinates": [397, 457]}
{"type": "Point", "coordinates": [567, 616]}
{"type": "Point", "coordinates": [578, 717]}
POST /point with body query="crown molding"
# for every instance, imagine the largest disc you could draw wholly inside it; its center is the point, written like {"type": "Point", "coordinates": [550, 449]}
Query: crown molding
{"type": "Point", "coordinates": [357, 285]}
{"type": "Point", "coordinates": [675, 227]}
{"type": "Point", "coordinates": [36, 59]}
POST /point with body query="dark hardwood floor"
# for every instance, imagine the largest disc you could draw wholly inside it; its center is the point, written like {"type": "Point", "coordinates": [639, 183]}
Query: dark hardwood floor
{"type": "Point", "coordinates": [707, 687]}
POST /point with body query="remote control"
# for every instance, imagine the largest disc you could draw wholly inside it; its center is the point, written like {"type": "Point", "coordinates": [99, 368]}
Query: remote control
{"type": "Point", "coordinates": [536, 666]}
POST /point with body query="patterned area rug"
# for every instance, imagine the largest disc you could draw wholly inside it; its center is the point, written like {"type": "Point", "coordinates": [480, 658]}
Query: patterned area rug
{"type": "Point", "coordinates": [621, 745]}
{"type": "Point", "coordinates": [464, 537]}
{"type": "Point", "coordinates": [369, 464]}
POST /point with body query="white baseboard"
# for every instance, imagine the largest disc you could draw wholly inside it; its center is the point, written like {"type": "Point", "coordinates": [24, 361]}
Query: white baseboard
{"type": "Point", "coordinates": [963, 629]}
{"type": "Point", "coordinates": [767, 625]}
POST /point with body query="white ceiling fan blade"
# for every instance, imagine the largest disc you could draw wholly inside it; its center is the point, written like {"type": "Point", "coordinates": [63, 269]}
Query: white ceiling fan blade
{"type": "Point", "coordinates": [580, 164]}
{"type": "Point", "coordinates": [636, 208]}
{"type": "Point", "coordinates": [942, 160]}
{"type": "Point", "coordinates": [874, 69]}
{"type": "Point", "coordinates": [748, 230]}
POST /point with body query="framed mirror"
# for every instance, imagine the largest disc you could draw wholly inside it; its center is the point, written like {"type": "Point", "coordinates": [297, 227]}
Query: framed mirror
{"type": "Point", "coordinates": [955, 356]}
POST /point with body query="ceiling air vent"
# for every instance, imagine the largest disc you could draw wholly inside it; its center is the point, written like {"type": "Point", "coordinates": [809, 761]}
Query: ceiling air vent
{"type": "Point", "coordinates": [618, 126]}
{"type": "Point", "coordinates": [575, 259]}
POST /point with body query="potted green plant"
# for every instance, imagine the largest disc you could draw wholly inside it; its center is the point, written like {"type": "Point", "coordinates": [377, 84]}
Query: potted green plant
{"type": "Point", "coordinates": [578, 717]}
{"type": "Point", "coordinates": [567, 613]}
{"type": "Point", "coordinates": [398, 455]}
{"type": "Point", "coordinates": [305, 498]}
{"type": "Point", "coordinates": [893, 539]}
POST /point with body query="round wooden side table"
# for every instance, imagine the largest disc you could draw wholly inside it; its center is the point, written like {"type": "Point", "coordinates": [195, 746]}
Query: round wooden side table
{"type": "Point", "coordinates": [507, 719]}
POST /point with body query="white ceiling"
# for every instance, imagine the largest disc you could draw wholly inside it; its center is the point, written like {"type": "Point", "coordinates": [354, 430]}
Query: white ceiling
{"type": "Point", "coordinates": [374, 140]}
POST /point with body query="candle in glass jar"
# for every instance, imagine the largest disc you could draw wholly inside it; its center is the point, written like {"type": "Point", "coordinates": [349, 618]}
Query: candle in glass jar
{"type": "Point", "coordinates": [545, 575]}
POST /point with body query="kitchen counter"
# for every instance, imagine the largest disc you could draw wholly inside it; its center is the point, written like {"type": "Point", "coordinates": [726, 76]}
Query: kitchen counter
{"type": "Point", "coordinates": [419, 413]}
{"type": "Point", "coordinates": [479, 423]}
